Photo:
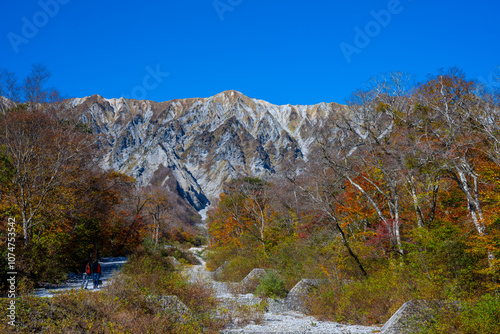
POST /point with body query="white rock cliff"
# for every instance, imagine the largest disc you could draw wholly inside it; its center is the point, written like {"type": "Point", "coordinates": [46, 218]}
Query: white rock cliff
{"type": "Point", "coordinates": [203, 142]}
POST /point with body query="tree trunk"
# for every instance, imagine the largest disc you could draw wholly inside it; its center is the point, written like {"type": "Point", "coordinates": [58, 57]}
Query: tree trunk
{"type": "Point", "coordinates": [416, 204]}
{"type": "Point", "coordinates": [473, 204]}
{"type": "Point", "coordinates": [475, 209]}
{"type": "Point", "coordinates": [393, 228]}
{"type": "Point", "coordinates": [351, 253]}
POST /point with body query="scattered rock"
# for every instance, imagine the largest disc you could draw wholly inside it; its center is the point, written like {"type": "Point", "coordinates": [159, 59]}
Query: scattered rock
{"type": "Point", "coordinates": [306, 286]}
{"type": "Point", "coordinates": [296, 298]}
{"type": "Point", "coordinates": [173, 261]}
{"type": "Point", "coordinates": [172, 305]}
{"type": "Point", "coordinates": [414, 315]}
{"type": "Point", "coordinates": [252, 280]}
{"type": "Point", "coordinates": [217, 275]}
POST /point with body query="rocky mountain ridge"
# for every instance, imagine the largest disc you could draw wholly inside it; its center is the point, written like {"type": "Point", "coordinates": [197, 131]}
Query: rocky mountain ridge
{"type": "Point", "coordinates": [201, 142]}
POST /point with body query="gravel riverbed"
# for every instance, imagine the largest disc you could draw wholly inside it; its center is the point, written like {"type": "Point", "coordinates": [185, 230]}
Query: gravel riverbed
{"type": "Point", "coordinates": [286, 322]}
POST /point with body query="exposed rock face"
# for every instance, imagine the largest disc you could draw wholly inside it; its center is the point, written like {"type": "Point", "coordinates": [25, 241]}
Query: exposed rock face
{"type": "Point", "coordinates": [5, 103]}
{"type": "Point", "coordinates": [200, 142]}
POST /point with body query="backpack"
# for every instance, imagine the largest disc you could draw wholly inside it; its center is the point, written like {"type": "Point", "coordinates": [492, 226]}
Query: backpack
{"type": "Point", "coordinates": [96, 268]}
{"type": "Point", "coordinates": [87, 269]}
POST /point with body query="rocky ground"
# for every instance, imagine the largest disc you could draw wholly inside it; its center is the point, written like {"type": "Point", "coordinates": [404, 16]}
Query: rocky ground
{"type": "Point", "coordinates": [283, 322]}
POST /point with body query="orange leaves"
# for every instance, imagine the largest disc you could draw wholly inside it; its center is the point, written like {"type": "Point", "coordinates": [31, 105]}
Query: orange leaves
{"type": "Point", "coordinates": [243, 215]}
{"type": "Point", "coordinates": [355, 206]}
{"type": "Point", "coordinates": [224, 231]}
{"type": "Point", "coordinates": [230, 220]}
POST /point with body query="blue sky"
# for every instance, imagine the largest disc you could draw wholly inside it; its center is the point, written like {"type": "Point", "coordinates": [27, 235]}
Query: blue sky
{"type": "Point", "coordinates": [282, 51]}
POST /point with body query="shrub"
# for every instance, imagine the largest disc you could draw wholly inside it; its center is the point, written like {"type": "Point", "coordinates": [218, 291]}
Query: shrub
{"type": "Point", "coordinates": [477, 317]}
{"type": "Point", "coordinates": [373, 300]}
{"type": "Point", "coordinates": [272, 286]}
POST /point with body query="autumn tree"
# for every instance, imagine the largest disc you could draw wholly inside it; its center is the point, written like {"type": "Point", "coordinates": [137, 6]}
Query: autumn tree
{"type": "Point", "coordinates": [158, 207]}
{"type": "Point", "coordinates": [92, 206]}
{"type": "Point", "coordinates": [243, 211]}
{"type": "Point", "coordinates": [365, 157]}
{"type": "Point", "coordinates": [42, 150]}
{"type": "Point", "coordinates": [456, 134]}
{"type": "Point", "coordinates": [322, 189]}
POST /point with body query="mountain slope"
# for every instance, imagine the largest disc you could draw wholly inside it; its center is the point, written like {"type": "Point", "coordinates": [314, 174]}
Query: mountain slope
{"type": "Point", "coordinates": [203, 142]}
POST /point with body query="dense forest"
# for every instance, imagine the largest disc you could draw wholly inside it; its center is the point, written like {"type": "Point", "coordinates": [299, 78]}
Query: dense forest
{"type": "Point", "coordinates": [400, 201]}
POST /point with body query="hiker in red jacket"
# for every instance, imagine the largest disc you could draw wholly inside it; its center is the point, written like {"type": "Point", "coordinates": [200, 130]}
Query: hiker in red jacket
{"type": "Point", "coordinates": [96, 273]}
{"type": "Point", "coordinates": [86, 274]}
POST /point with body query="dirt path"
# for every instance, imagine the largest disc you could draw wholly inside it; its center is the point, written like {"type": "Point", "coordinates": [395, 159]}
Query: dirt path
{"type": "Point", "coordinates": [284, 322]}
{"type": "Point", "coordinates": [108, 266]}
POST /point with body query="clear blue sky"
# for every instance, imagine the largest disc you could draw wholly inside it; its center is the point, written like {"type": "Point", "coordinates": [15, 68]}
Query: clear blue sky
{"type": "Point", "coordinates": [282, 51]}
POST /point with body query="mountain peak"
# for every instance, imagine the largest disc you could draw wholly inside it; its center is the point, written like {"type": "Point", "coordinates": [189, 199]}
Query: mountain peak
{"type": "Point", "coordinates": [230, 95]}
{"type": "Point", "coordinates": [231, 92]}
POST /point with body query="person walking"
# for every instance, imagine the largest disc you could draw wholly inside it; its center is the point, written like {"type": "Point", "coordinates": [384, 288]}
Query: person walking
{"type": "Point", "coordinates": [96, 273]}
{"type": "Point", "coordinates": [86, 274]}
